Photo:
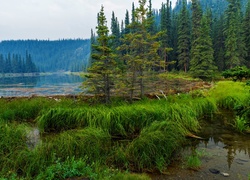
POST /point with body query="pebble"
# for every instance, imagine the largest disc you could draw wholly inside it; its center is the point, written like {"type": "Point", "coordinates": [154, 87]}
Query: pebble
{"type": "Point", "coordinates": [242, 160]}
{"type": "Point", "coordinates": [225, 174]}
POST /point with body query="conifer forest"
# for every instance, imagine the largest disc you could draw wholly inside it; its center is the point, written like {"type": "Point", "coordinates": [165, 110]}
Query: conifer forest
{"type": "Point", "coordinates": [202, 38]}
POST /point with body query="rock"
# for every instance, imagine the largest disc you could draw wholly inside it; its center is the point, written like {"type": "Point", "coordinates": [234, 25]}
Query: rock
{"type": "Point", "coordinates": [242, 160]}
{"type": "Point", "coordinates": [214, 171]}
{"type": "Point", "coordinates": [225, 174]}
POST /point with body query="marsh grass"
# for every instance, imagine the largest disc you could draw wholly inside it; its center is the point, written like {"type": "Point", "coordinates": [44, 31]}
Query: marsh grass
{"type": "Point", "coordinates": [193, 161]}
{"type": "Point", "coordinates": [12, 142]}
{"type": "Point", "coordinates": [228, 94]}
{"type": "Point", "coordinates": [126, 121]}
{"type": "Point", "coordinates": [240, 124]}
{"type": "Point", "coordinates": [155, 145]}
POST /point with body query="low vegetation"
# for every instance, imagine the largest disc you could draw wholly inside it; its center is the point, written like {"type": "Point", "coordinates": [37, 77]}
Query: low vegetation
{"type": "Point", "coordinates": [108, 141]}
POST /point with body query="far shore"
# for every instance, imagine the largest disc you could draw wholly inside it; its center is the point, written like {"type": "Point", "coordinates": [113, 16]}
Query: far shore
{"type": "Point", "coordinates": [6, 75]}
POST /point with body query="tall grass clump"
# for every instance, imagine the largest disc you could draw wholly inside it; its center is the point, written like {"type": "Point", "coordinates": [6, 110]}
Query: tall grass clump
{"type": "Point", "coordinates": [124, 120]}
{"type": "Point", "coordinates": [154, 147]}
{"type": "Point", "coordinates": [91, 142]}
{"type": "Point", "coordinates": [12, 141]}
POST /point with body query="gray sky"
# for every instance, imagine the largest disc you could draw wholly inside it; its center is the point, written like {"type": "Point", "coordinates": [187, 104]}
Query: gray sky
{"type": "Point", "coordinates": [57, 19]}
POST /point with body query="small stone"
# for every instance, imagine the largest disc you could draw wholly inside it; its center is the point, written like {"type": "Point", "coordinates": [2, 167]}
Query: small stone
{"type": "Point", "coordinates": [225, 174]}
{"type": "Point", "coordinates": [243, 160]}
{"type": "Point", "coordinates": [214, 171]}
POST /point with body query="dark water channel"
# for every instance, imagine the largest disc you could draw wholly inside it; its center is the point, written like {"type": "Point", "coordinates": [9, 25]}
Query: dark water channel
{"type": "Point", "coordinates": [222, 150]}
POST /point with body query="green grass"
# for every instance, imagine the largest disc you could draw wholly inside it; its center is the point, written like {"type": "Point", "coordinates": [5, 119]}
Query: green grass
{"type": "Point", "coordinates": [153, 148]}
{"type": "Point", "coordinates": [193, 162]}
{"type": "Point", "coordinates": [240, 124]}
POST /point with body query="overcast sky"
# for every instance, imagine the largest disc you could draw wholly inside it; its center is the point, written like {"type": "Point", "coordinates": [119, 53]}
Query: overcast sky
{"type": "Point", "coordinates": [57, 19]}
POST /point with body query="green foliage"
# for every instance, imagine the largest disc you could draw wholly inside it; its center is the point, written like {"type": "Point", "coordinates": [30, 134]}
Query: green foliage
{"type": "Point", "coordinates": [241, 124]}
{"type": "Point", "coordinates": [70, 168]}
{"type": "Point", "coordinates": [237, 73]}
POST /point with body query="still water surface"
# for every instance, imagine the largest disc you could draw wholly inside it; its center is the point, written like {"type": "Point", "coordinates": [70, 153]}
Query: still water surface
{"type": "Point", "coordinates": [53, 84]}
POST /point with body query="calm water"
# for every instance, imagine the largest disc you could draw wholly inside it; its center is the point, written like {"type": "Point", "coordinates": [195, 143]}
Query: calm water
{"type": "Point", "coordinates": [55, 84]}
{"type": "Point", "coordinates": [223, 150]}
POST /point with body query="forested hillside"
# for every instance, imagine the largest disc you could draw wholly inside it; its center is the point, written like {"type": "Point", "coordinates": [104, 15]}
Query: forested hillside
{"type": "Point", "coordinates": [202, 38]}
{"type": "Point", "coordinates": [217, 7]}
{"type": "Point", "coordinates": [50, 56]}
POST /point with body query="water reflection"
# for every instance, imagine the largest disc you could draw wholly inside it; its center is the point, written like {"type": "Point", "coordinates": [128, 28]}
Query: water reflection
{"type": "Point", "coordinates": [227, 151]}
{"type": "Point", "coordinates": [54, 84]}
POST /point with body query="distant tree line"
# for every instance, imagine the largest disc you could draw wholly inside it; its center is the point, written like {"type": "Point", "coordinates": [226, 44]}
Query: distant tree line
{"type": "Point", "coordinates": [52, 56]}
{"type": "Point", "coordinates": [202, 38]}
{"type": "Point", "coordinates": [15, 63]}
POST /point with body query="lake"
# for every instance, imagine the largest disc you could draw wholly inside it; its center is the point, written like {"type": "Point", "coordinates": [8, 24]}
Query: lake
{"type": "Point", "coordinates": [43, 85]}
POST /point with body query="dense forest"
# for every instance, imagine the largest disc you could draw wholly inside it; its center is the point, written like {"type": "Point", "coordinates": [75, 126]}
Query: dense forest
{"type": "Point", "coordinates": [51, 56]}
{"type": "Point", "coordinates": [15, 63]}
{"type": "Point", "coordinates": [202, 38]}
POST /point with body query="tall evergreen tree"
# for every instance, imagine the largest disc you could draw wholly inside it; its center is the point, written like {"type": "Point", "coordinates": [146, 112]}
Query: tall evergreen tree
{"type": "Point", "coordinates": [202, 64]}
{"type": "Point", "coordinates": [247, 33]}
{"type": "Point", "coordinates": [219, 43]}
{"type": "Point", "coordinates": [234, 45]}
{"type": "Point", "coordinates": [141, 51]}
{"type": "Point", "coordinates": [151, 19]}
{"type": "Point", "coordinates": [164, 40]}
{"type": "Point", "coordinates": [115, 31]}
{"type": "Point", "coordinates": [196, 22]}
{"type": "Point", "coordinates": [184, 38]}
{"type": "Point", "coordinates": [102, 70]}
{"type": "Point", "coordinates": [127, 22]}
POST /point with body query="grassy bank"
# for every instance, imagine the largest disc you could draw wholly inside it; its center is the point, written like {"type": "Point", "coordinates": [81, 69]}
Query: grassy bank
{"type": "Point", "coordinates": [100, 141]}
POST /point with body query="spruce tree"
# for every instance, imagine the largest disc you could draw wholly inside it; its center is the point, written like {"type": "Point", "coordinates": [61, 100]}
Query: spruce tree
{"type": "Point", "coordinates": [102, 70]}
{"type": "Point", "coordinates": [247, 33]}
{"type": "Point", "coordinates": [127, 22]}
{"type": "Point", "coordinates": [115, 31]}
{"type": "Point", "coordinates": [235, 50]}
{"type": "Point", "coordinates": [202, 64]}
{"type": "Point", "coordinates": [184, 38]}
{"type": "Point", "coordinates": [140, 50]}
{"type": "Point", "coordinates": [151, 19]}
{"type": "Point", "coordinates": [196, 22]}
{"type": "Point", "coordinates": [219, 43]}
